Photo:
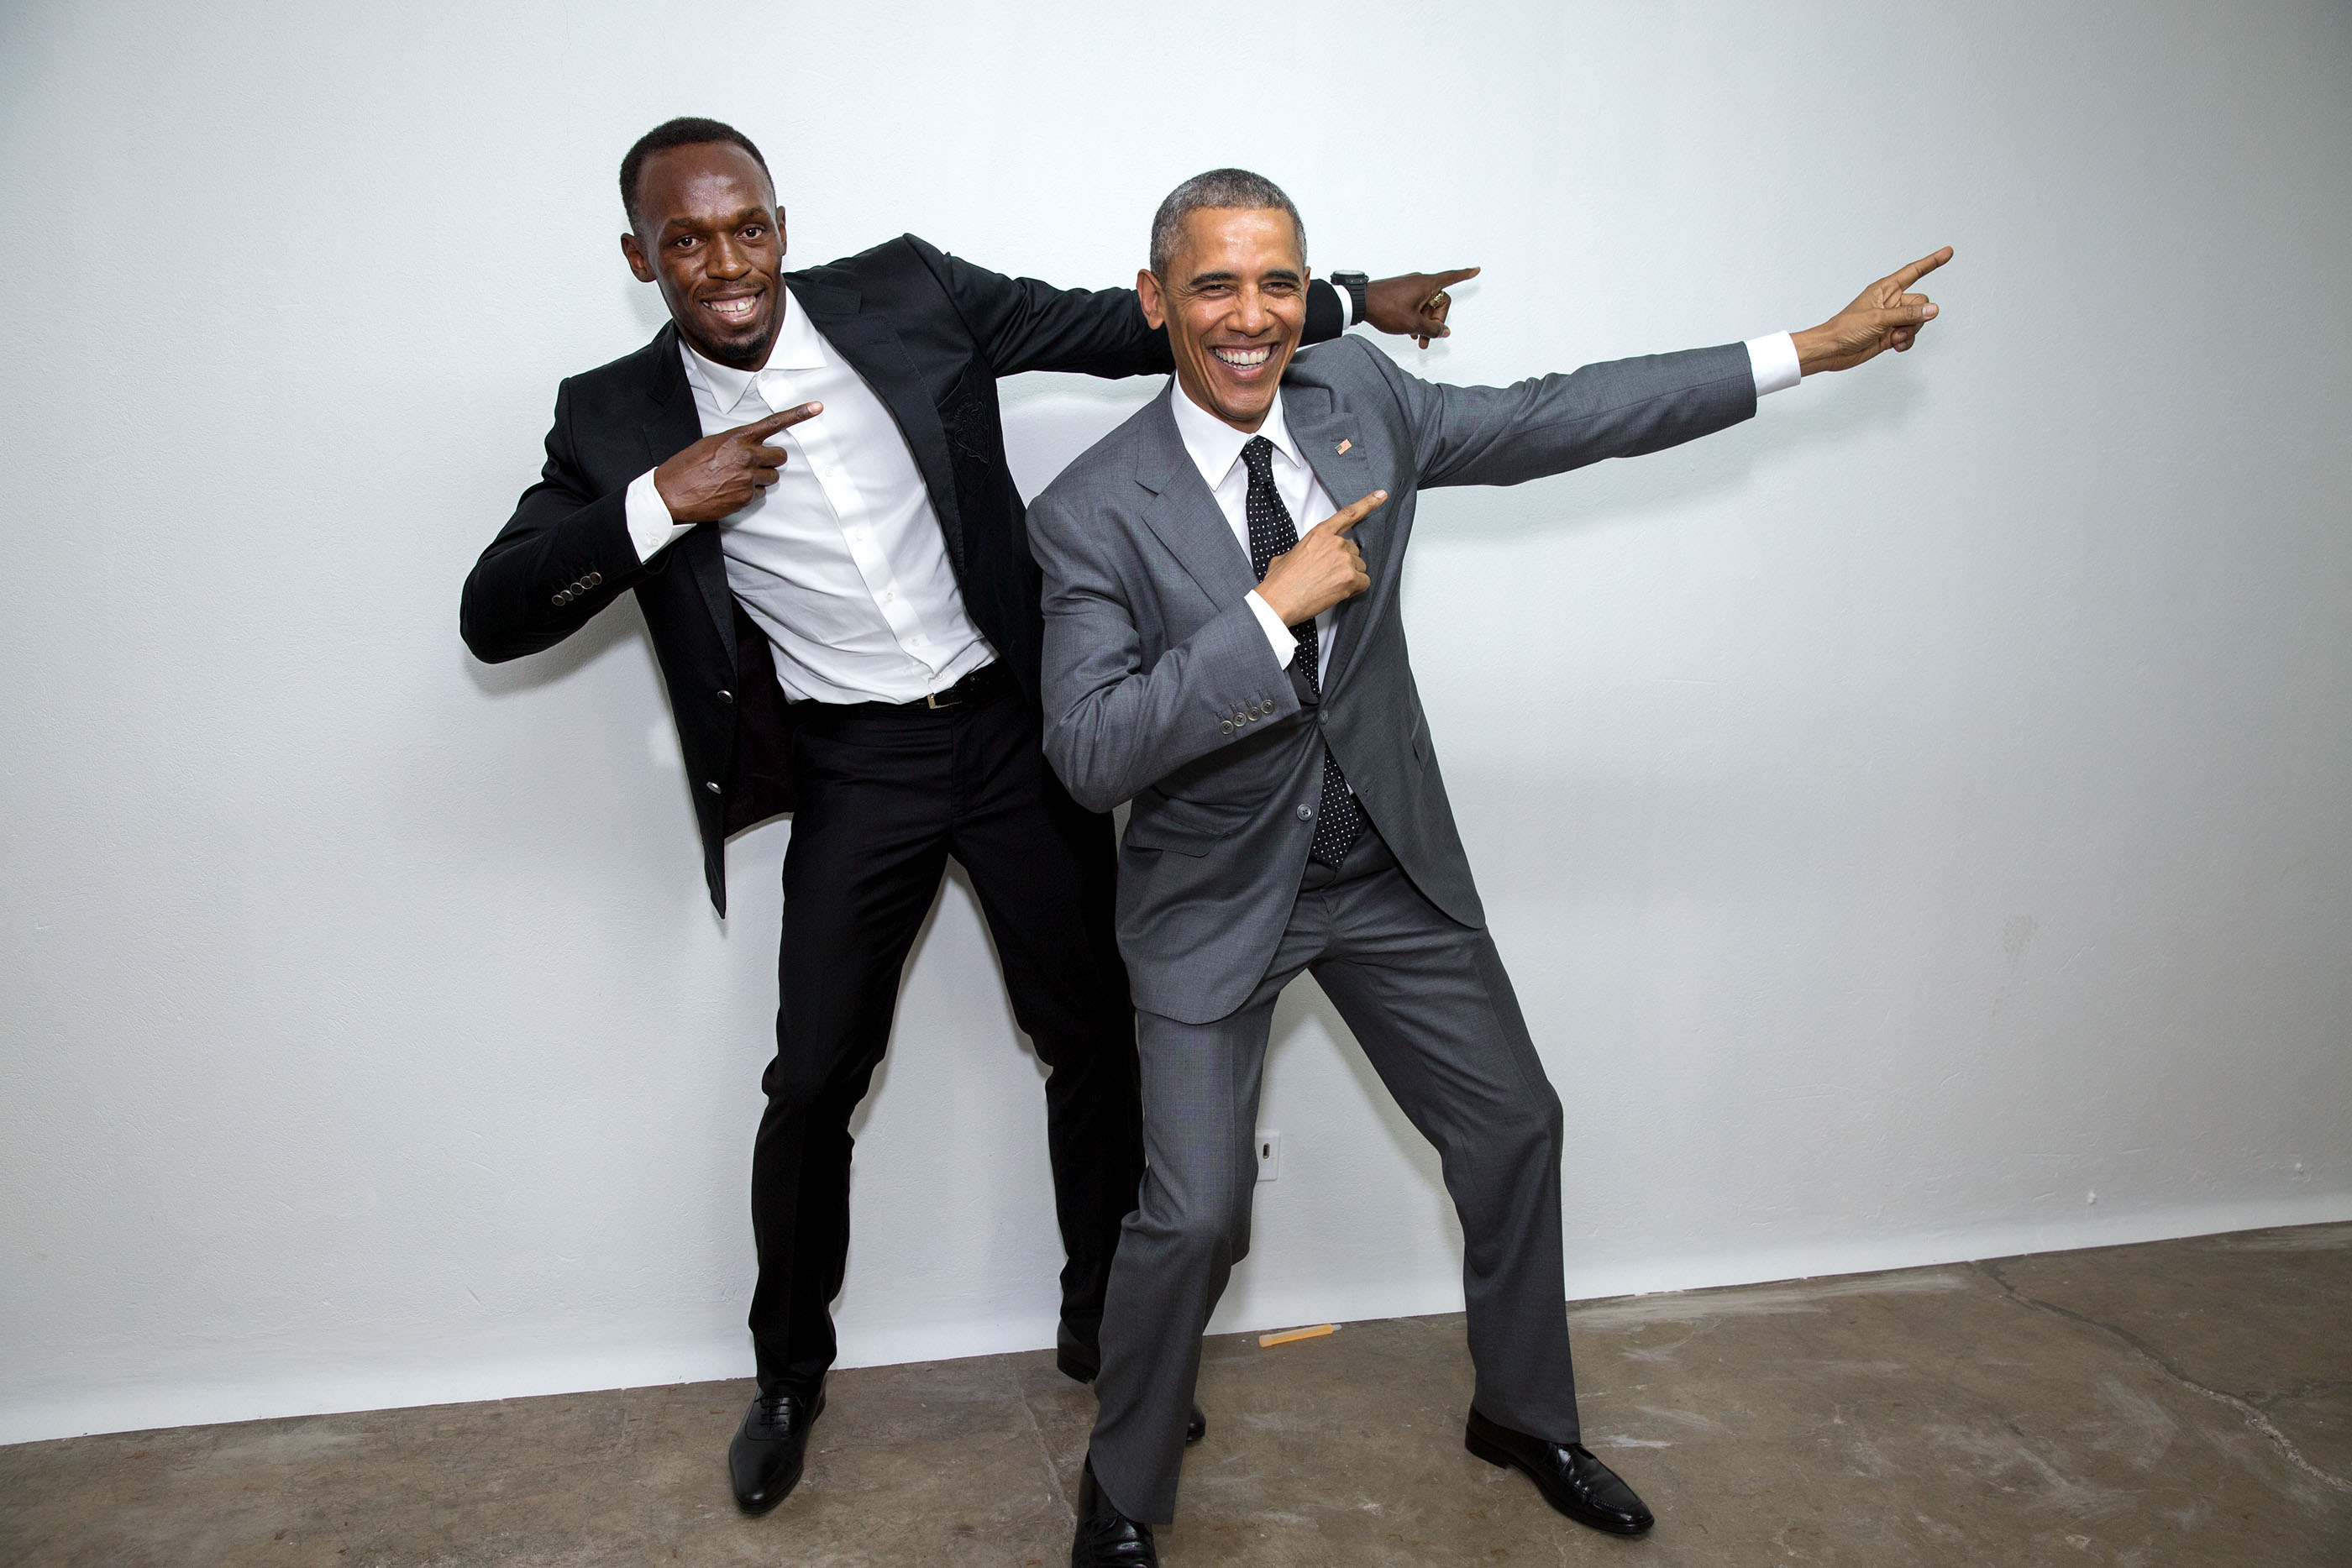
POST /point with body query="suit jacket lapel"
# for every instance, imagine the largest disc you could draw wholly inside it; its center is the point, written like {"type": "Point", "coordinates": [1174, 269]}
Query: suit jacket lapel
{"type": "Point", "coordinates": [1317, 423]}
{"type": "Point", "coordinates": [1185, 515]}
{"type": "Point", "coordinates": [670, 424]}
{"type": "Point", "coordinates": [871, 345]}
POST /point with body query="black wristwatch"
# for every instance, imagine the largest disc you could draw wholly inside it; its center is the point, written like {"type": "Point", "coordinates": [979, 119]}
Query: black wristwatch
{"type": "Point", "coordinates": [1355, 283]}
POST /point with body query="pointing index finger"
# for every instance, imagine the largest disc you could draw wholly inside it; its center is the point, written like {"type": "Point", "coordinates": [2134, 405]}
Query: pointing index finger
{"type": "Point", "coordinates": [759, 430]}
{"type": "Point", "coordinates": [1347, 517]}
{"type": "Point", "coordinates": [1448, 279]}
{"type": "Point", "coordinates": [1921, 268]}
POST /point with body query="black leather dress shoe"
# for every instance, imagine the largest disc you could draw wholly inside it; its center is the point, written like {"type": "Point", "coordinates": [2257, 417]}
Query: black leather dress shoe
{"type": "Point", "coordinates": [1081, 1359]}
{"type": "Point", "coordinates": [764, 1459]}
{"type": "Point", "coordinates": [1106, 1537]}
{"type": "Point", "coordinates": [1569, 1478]}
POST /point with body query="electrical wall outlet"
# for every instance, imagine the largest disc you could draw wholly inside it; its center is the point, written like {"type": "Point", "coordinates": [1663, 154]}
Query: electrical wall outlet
{"type": "Point", "coordinates": [1269, 1155]}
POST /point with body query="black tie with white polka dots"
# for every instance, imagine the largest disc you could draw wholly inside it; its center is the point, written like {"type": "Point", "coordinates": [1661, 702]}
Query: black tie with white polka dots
{"type": "Point", "coordinates": [1272, 533]}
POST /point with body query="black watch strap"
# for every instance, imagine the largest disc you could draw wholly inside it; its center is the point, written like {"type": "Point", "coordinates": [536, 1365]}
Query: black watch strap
{"type": "Point", "coordinates": [1355, 283]}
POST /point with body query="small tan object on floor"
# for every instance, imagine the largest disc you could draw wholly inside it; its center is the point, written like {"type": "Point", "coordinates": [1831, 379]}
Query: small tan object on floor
{"type": "Point", "coordinates": [1268, 1341]}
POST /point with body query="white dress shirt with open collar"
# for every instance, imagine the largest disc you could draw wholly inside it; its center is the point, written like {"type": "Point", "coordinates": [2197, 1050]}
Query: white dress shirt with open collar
{"type": "Point", "coordinates": [841, 561]}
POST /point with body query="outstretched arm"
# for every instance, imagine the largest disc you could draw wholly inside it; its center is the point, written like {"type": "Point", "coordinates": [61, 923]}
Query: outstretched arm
{"type": "Point", "coordinates": [1546, 424]}
{"type": "Point", "coordinates": [1549, 425]}
{"type": "Point", "coordinates": [1023, 324]}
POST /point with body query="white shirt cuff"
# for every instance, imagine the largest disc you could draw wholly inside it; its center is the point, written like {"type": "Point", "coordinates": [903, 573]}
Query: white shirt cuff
{"type": "Point", "coordinates": [1774, 362]}
{"type": "Point", "coordinates": [1285, 643]}
{"type": "Point", "coordinates": [651, 527]}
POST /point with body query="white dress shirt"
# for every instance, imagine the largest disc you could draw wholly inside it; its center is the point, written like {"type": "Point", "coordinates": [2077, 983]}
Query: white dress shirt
{"type": "Point", "coordinates": [1215, 448]}
{"type": "Point", "coordinates": [841, 560]}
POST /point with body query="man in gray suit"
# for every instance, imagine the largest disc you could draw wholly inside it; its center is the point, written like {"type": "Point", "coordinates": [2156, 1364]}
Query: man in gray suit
{"type": "Point", "coordinates": [1249, 692]}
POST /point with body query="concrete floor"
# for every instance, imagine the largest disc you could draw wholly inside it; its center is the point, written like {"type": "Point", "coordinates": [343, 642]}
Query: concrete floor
{"type": "Point", "coordinates": [2184, 1402]}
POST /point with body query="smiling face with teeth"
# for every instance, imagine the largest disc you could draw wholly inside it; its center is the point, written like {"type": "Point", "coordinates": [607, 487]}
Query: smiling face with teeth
{"type": "Point", "coordinates": [1235, 302]}
{"type": "Point", "coordinates": [707, 228]}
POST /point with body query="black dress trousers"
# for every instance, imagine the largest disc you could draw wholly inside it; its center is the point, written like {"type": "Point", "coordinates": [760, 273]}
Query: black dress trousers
{"type": "Point", "coordinates": [886, 793]}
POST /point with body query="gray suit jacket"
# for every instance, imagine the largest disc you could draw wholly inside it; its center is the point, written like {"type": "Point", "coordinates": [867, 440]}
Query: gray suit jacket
{"type": "Point", "coordinates": [1159, 687]}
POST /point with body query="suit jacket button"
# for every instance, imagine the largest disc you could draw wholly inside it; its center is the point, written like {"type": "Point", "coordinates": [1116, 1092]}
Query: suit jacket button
{"type": "Point", "coordinates": [557, 598]}
{"type": "Point", "coordinates": [712, 785]}
{"type": "Point", "coordinates": [726, 696]}
{"type": "Point", "coordinates": [1305, 813]}
{"type": "Point", "coordinates": [1224, 726]}
{"type": "Point", "coordinates": [595, 578]}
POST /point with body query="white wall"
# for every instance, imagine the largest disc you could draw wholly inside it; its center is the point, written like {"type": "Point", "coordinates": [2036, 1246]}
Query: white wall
{"type": "Point", "coordinates": [1906, 815]}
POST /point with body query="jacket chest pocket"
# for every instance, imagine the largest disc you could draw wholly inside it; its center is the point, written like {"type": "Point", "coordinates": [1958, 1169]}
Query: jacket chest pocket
{"type": "Point", "coordinates": [969, 416]}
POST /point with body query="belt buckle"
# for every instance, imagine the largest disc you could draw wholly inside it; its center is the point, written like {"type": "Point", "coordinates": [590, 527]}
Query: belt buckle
{"type": "Point", "coordinates": [934, 699]}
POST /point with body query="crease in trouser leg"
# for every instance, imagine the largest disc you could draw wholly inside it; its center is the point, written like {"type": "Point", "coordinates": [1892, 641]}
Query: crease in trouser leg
{"type": "Point", "coordinates": [1138, 1451]}
{"type": "Point", "coordinates": [1177, 1250]}
{"type": "Point", "coordinates": [1439, 1022]}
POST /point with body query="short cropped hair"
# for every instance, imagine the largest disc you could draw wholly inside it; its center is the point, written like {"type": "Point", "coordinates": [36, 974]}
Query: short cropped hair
{"type": "Point", "coordinates": [685, 131]}
{"type": "Point", "coordinates": [1217, 188]}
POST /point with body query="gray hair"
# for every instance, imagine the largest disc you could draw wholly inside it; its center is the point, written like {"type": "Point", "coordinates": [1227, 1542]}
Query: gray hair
{"type": "Point", "coordinates": [1217, 188]}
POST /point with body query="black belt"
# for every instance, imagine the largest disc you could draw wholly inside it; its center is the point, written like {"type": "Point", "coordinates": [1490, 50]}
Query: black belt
{"type": "Point", "coordinates": [976, 687]}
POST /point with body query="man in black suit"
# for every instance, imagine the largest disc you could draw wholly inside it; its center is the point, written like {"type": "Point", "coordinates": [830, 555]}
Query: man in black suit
{"type": "Point", "coordinates": [803, 479]}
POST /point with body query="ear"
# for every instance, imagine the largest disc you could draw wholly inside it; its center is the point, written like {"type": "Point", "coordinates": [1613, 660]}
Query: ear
{"type": "Point", "coordinates": [638, 265]}
{"type": "Point", "coordinates": [1147, 293]}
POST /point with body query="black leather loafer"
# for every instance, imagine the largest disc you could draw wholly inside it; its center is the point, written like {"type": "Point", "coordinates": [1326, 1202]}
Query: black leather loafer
{"type": "Point", "coordinates": [1081, 1359]}
{"type": "Point", "coordinates": [1569, 1478]}
{"type": "Point", "coordinates": [765, 1459]}
{"type": "Point", "coordinates": [1106, 1537]}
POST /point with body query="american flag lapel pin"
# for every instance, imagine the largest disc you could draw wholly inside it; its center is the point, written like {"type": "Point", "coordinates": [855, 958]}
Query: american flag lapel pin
{"type": "Point", "coordinates": [1343, 447]}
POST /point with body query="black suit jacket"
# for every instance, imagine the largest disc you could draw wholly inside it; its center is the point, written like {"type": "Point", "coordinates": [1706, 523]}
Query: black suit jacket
{"type": "Point", "coordinates": [929, 334]}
